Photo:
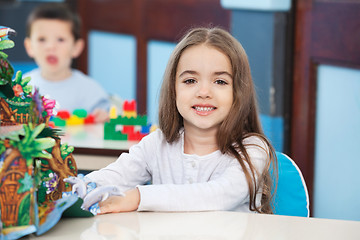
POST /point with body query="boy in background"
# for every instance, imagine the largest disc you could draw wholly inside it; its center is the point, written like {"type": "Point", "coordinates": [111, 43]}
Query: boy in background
{"type": "Point", "coordinates": [53, 40]}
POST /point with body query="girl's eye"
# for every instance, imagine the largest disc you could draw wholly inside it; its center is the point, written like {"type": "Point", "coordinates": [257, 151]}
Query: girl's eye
{"type": "Point", "coordinates": [61, 39]}
{"type": "Point", "coordinates": [41, 39]}
{"type": "Point", "coordinates": [190, 81]}
{"type": "Point", "coordinates": [221, 82]}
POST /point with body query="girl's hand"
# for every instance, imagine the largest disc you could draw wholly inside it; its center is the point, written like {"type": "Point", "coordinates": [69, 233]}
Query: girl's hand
{"type": "Point", "coordinates": [130, 202]}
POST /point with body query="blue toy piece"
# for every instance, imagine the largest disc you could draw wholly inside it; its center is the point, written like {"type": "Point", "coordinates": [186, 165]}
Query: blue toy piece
{"type": "Point", "coordinates": [291, 196]}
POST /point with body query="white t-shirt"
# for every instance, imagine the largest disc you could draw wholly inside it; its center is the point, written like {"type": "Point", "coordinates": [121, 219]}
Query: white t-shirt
{"type": "Point", "coordinates": [76, 92]}
{"type": "Point", "coordinates": [182, 182]}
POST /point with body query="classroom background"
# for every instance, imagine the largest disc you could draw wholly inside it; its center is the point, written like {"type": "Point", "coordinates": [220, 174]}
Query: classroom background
{"type": "Point", "coordinates": [304, 57]}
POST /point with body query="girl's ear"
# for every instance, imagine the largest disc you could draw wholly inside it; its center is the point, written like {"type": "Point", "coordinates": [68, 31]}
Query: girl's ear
{"type": "Point", "coordinates": [78, 48]}
{"type": "Point", "coordinates": [28, 47]}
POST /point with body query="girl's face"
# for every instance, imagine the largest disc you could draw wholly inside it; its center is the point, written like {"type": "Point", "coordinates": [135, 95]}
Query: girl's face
{"type": "Point", "coordinates": [204, 87]}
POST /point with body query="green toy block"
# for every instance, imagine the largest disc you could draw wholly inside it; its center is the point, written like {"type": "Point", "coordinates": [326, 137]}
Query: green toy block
{"type": "Point", "coordinates": [115, 136]}
{"type": "Point", "coordinates": [59, 122]}
{"type": "Point", "coordinates": [111, 134]}
{"type": "Point", "coordinates": [141, 120]}
{"type": "Point", "coordinates": [118, 120]}
{"type": "Point", "coordinates": [120, 136]}
{"type": "Point", "coordinates": [81, 113]}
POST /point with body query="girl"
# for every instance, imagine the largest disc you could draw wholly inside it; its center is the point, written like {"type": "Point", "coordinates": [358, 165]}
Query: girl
{"type": "Point", "coordinates": [210, 152]}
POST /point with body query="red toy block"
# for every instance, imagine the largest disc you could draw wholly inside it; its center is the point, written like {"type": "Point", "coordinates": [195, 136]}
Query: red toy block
{"type": "Point", "coordinates": [63, 114]}
{"type": "Point", "coordinates": [129, 106]}
{"type": "Point", "coordinates": [128, 129]}
{"type": "Point", "coordinates": [90, 119]}
{"type": "Point", "coordinates": [135, 136]}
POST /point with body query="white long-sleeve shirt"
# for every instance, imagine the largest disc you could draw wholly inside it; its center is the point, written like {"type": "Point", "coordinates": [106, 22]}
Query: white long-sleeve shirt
{"type": "Point", "coordinates": [182, 182]}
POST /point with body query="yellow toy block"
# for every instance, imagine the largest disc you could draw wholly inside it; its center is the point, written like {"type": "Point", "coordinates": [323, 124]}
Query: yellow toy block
{"type": "Point", "coordinates": [74, 120]}
{"type": "Point", "coordinates": [113, 113]}
{"type": "Point", "coordinates": [130, 114]}
{"type": "Point", "coordinates": [153, 128]}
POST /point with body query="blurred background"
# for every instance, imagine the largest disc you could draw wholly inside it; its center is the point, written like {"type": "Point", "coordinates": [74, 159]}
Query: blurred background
{"type": "Point", "coordinates": [304, 57]}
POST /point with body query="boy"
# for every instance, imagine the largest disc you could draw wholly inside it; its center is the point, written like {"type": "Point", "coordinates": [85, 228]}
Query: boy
{"type": "Point", "coordinates": [53, 40]}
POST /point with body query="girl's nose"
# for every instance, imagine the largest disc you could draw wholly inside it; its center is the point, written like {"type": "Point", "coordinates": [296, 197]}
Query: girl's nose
{"type": "Point", "coordinates": [204, 90]}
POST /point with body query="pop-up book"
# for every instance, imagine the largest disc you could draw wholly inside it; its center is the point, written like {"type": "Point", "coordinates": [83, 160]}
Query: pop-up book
{"type": "Point", "coordinates": [33, 161]}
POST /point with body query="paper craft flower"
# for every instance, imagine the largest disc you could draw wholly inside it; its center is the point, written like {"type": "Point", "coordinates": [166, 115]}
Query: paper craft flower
{"type": "Point", "coordinates": [48, 105]}
{"type": "Point", "coordinates": [52, 182]}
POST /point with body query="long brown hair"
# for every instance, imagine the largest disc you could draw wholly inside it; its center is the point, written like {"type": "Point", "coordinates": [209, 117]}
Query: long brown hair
{"type": "Point", "coordinates": [242, 120]}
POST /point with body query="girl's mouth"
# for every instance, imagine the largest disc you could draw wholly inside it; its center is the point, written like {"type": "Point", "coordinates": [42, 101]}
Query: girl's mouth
{"type": "Point", "coordinates": [203, 110]}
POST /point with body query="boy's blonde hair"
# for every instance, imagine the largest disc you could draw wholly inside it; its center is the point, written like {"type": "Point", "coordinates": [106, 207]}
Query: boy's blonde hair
{"type": "Point", "coordinates": [242, 120]}
{"type": "Point", "coordinates": [55, 11]}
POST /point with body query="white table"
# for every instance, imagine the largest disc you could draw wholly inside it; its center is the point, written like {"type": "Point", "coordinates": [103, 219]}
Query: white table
{"type": "Point", "coordinates": [201, 225]}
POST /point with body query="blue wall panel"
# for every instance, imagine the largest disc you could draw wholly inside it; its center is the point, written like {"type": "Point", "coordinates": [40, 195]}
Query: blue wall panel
{"type": "Point", "coordinates": [260, 52]}
{"type": "Point", "coordinates": [158, 55]}
{"type": "Point", "coordinates": [112, 62]}
{"type": "Point", "coordinates": [265, 5]}
{"type": "Point", "coordinates": [337, 160]}
{"type": "Point", "coordinates": [274, 130]}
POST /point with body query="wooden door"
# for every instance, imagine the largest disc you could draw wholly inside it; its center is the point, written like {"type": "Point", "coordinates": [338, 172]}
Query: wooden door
{"type": "Point", "coordinates": [326, 32]}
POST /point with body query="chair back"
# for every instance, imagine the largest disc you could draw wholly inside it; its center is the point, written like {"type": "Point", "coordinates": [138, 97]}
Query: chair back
{"type": "Point", "coordinates": [291, 197]}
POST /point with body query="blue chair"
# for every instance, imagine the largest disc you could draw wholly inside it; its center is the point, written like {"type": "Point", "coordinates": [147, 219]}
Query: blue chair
{"type": "Point", "coordinates": [291, 196]}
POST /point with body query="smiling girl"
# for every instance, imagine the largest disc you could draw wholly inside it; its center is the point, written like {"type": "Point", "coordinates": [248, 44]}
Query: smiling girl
{"type": "Point", "coordinates": [210, 152]}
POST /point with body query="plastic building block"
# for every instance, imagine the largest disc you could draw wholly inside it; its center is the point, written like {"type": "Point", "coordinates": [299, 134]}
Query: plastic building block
{"type": "Point", "coordinates": [113, 112]}
{"type": "Point", "coordinates": [135, 136]}
{"type": "Point", "coordinates": [130, 114]}
{"type": "Point", "coordinates": [129, 126]}
{"type": "Point", "coordinates": [153, 128]}
{"type": "Point", "coordinates": [111, 134]}
{"type": "Point", "coordinates": [75, 120]}
{"type": "Point", "coordinates": [128, 129]}
{"type": "Point", "coordinates": [81, 113]}
{"type": "Point", "coordinates": [141, 120]}
{"type": "Point", "coordinates": [145, 129]}
{"type": "Point", "coordinates": [129, 106]}
{"type": "Point", "coordinates": [129, 109]}
{"type": "Point", "coordinates": [90, 119]}
{"type": "Point", "coordinates": [63, 114]}
{"type": "Point", "coordinates": [59, 122]}
{"type": "Point", "coordinates": [79, 117]}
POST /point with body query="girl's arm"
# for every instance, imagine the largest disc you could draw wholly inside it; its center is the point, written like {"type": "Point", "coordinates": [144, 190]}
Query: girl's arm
{"type": "Point", "coordinates": [227, 191]}
{"type": "Point", "coordinates": [129, 170]}
{"type": "Point", "coordinates": [223, 193]}
{"type": "Point", "coordinates": [130, 202]}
